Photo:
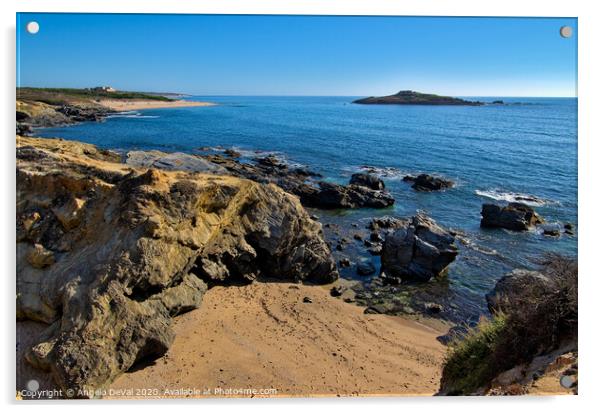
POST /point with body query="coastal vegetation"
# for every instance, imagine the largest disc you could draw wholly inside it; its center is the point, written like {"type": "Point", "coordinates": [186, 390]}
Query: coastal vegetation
{"type": "Point", "coordinates": [529, 320]}
{"type": "Point", "coordinates": [64, 96]}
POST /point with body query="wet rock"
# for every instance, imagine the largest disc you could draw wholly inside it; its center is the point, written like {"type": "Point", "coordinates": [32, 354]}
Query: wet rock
{"type": "Point", "coordinates": [344, 263]}
{"type": "Point", "coordinates": [357, 237]}
{"type": "Point", "coordinates": [272, 162]}
{"type": "Point", "coordinates": [376, 237]}
{"type": "Point", "coordinates": [232, 153]}
{"type": "Point", "coordinates": [551, 230]}
{"type": "Point", "coordinates": [514, 216]}
{"type": "Point", "coordinates": [426, 183]}
{"type": "Point", "coordinates": [365, 268]}
{"type": "Point", "coordinates": [368, 180]}
{"type": "Point", "coordinates": [419, 250]}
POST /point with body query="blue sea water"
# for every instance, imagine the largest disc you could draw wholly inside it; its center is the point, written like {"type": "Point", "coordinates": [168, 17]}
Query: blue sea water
{"type": "Point", "coordinates": [527, 146]}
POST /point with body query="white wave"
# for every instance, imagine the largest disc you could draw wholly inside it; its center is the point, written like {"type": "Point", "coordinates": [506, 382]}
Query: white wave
{"type": "Point", "coordinates": [387, 172]}
{"type": "Point", "coordinates": [500, 195]}
{"type": "Point", "coordinates": [131, 114]}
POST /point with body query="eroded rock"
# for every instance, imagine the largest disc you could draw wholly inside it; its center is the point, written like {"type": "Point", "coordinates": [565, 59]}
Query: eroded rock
{"type": "Point", "coordinates": [514, 216]}
{"type": "Point", "coordinates": [144, 247]}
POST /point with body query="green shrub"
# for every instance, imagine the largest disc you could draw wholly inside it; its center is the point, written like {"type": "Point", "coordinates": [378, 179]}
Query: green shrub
{"type": "Point", "coordinates": [537, 321]}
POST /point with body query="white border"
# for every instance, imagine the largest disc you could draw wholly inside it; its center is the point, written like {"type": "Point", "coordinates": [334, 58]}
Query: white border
{"type": "Point", "coordinates": [590, 137]}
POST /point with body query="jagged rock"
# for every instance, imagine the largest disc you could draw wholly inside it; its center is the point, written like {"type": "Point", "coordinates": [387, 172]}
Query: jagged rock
{"type": "Point", "coordinates": [328, 195]}
{"type": "Point", "coordinates": [146, 245]}
{"type": "Point", "coordinates": [510, 285]}
{"type": "Point", "coordinates": [385, 223]}
{"type": "Point", "coordinates": [514, 216]}
{"type": "Point", "coordinates": [425, 182]}
{"type": "Point", "coordinates": [232, 153]}
{"type": "Point", "coordinates": [368, 180]}
{"type": "Point", "coordinates": [420, 249]}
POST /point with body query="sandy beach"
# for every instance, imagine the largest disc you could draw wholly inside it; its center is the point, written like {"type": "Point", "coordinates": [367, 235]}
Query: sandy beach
{"type": "Point", "coordinates": [123, 105]}
{"type": "Point", "coordinates": [264, 336]}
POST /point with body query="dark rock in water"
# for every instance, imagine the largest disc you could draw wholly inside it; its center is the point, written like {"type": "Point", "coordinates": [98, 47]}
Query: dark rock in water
{"type": "Point", "coordinates": [339, 247]}
{"type": "Point", "coordinates": [419, 250]}
{"type": "Point", "coordinates": [232, 153]}
{"type": "Point", "coordinates": [568, 226]}
{"type": "Point", "coordinates": [409, 97]}
{"type": "Point", "coordinates": [337, 291]}
{"type": "Point", "coordinates": [497, 102]}
{"type": "Point", "coordinates": [376, 237]}
{"type": "Point", "coordinates": [333, 196]}
{"type": "Point", "coordinates": [514, 216]}
{"type": "Point", "coordinates": [501, 298]}
{"type": "Point", "coordinates": [426, 183]}
{"type": "Point", "coordinates": [271, 161]}
{"type": "Point", "coordinates": [357, 237]}
{"type": "Point", "coordinates": [344, 262]}
{"type": "Point", "coordinates": [368, 180]}
{"type": "Point", "coordinates": [551, 230]}
{"type": "Point", "coordinates": [365, 268]}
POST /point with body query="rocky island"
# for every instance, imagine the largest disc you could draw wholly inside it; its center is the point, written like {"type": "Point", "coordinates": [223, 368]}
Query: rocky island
{"type": "Point", "coordinates": [410, 97]}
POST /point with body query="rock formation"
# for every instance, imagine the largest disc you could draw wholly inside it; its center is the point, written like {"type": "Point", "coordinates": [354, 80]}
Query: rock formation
{"type": "Point", "coordinates": [427, 183]}
{"type": "Point", "coordinates": [419, 250]}
{"type": "Point", "coordinates": [107, 254]}
{"type": "Point", "coordinates": [368, 180]}
{"type": "Point", "coordinates": [514, 216]}
{"type": "Point", "coordinates": [507, 287]}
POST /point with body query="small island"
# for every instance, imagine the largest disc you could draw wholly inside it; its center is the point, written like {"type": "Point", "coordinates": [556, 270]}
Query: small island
{"type": "Point", "coordinates": [409, 97]}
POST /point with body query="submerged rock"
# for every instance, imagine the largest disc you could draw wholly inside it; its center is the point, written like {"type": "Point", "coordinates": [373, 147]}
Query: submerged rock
{"type": "Point", "coordinates": [143, 247]}
{"type": "Point", "coordinates": [420, 250]}
{"type": "Point", "coordinates": [514, 216]}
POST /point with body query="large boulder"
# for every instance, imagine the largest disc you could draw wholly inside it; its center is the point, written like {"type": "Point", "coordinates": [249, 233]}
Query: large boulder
{"type": "Point", "coordinates": [501, 298]}
{"type": "Point", "coordinates": [368, 180]}
{"type": "Point", "coordinates": [427, 183]}
{"type": "Point", "coordinates": [107, 254]}
{"type": "Point", "coordinates": [514, 216]}
{"type": "Point", "coordinates": [419, 250]}
{"type": "Point", "coordinates": [327, 195]}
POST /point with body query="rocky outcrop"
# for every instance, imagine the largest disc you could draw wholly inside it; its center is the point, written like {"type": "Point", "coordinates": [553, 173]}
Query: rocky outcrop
{"type": "Point", "coordinates": [419, 250]}
{"type": "Point", "coordinates": [503, 296]}
{"type": "Point", "coordinates": [303, 183]}
{"type": "Point", "coordinates": [35, 114]}
{"type": "Point", "coordinates": [427, 183]}
{"type": "Point", "coordinates": [514, 216]}
{"type": "Point", "coordinates": [409, 97]}
{"type": "Point", "coordinates": [107, 254]}
{"type": "Point", "coordinates": [368, 180]}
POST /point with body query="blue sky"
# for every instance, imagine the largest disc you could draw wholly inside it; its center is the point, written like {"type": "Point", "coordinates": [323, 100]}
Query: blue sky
{"type": "Point", "coordinates": [299, 55]}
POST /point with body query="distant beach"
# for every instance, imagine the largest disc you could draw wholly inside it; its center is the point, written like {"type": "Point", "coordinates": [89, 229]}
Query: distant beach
{"type": "Point", "coordinates": [123, 105]}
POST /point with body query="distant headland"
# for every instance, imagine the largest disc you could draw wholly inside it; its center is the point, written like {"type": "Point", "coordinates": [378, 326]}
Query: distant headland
{"type": "Point", "coordinates": [409, 97]}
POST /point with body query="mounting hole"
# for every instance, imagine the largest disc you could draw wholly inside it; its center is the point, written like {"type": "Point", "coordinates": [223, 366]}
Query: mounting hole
{"type": "Point", "coordinates": [566, 31]}
{"type": "Point", "coordinates": [32, 27]}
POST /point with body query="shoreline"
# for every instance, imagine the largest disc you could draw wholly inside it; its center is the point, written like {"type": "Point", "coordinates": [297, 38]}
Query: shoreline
{"type": "Point", "coordinates": [125, 105]}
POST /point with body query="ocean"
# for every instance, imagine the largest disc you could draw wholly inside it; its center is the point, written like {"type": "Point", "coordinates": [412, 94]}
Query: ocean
{"type": "Point", "coordinates": [527, 146]}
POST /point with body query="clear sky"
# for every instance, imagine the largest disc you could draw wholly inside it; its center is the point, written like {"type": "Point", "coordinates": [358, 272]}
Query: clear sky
{"type": "Point", "coordinates": [299, 55]}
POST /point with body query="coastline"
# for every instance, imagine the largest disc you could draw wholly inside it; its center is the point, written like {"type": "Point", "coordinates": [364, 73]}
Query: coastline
{"type": "Point", "coordinates": [125, 105]}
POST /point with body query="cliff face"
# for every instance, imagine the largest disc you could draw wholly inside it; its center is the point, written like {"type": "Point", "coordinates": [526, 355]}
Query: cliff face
{"type": "Point", "coordinates": [107, 254]}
